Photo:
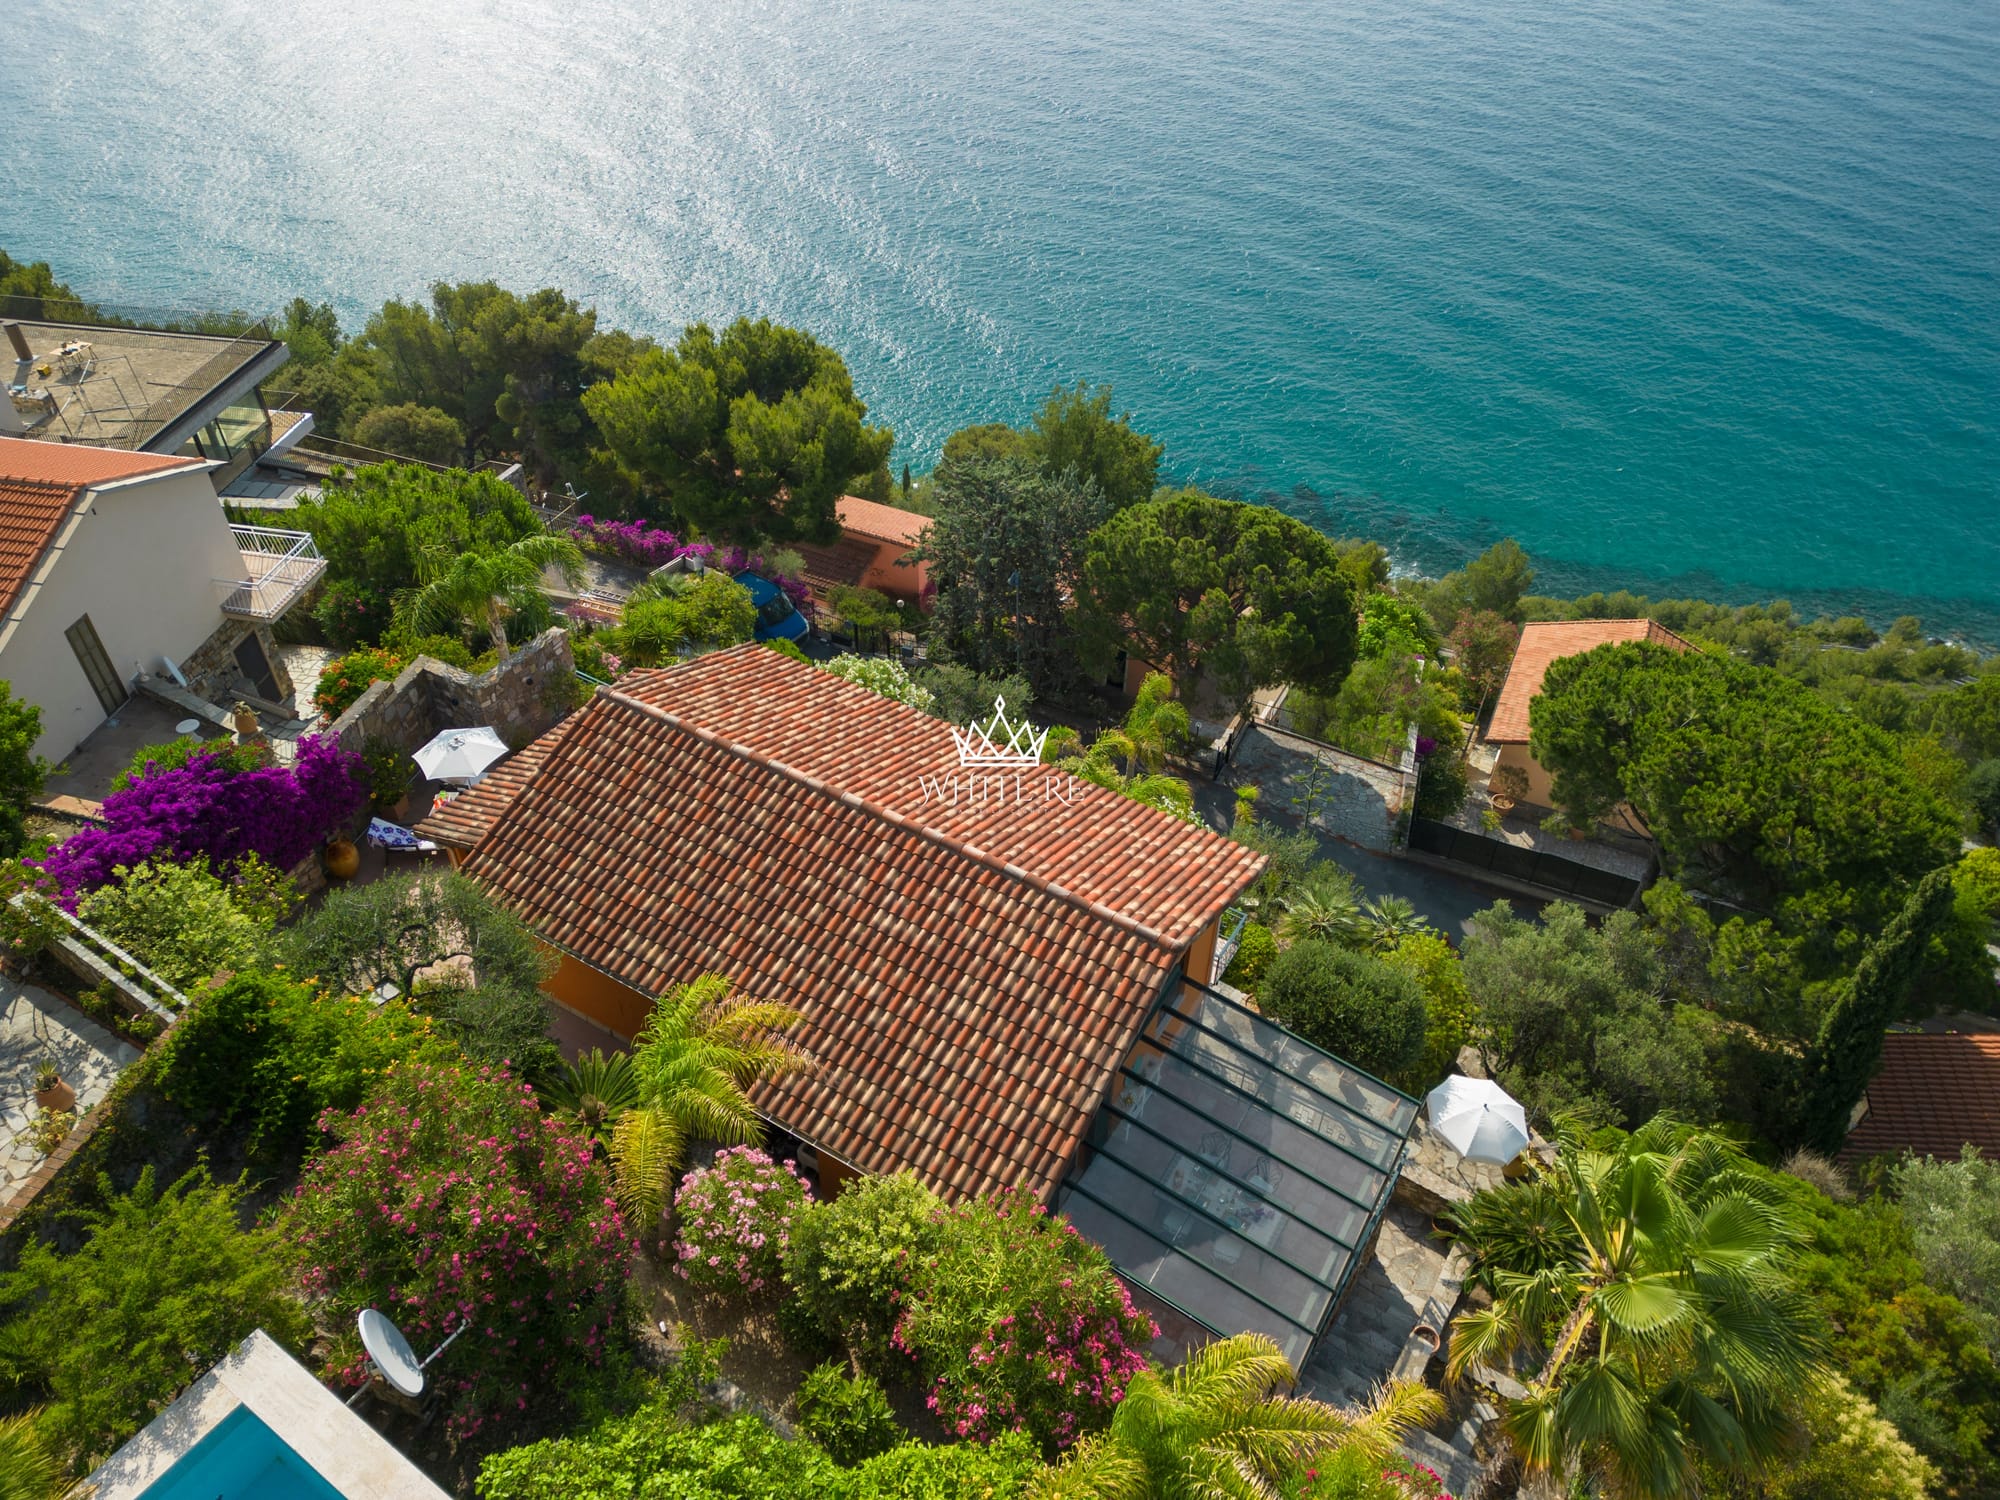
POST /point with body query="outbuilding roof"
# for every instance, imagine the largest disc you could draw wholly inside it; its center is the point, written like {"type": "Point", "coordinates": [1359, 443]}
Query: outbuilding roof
{"type": "Point", "coordinates": [972, 974]}
{"type": "Point", "coordinates": [884, 523]}
{"type": "Point", "coordinates": [1546, 642]}
{"type": "Point", "coordinates": [1936, 1093]}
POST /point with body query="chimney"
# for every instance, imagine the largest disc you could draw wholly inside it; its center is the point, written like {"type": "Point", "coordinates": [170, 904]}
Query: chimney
{"type": "Point", "coordinates": [19, 340]}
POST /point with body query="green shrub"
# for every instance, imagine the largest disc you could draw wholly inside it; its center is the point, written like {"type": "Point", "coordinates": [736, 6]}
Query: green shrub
{"type": "Point", "coordinates": [654, 1453]}
{"type": "Point", "coordinates": [1982, 792]}
{"type": "Point", "coordinates": [174, 754]}
{"type": "Point", "coordinates": [275, 1052]}
{"type": "Point", "coordinates": [1448, 1010]}
{"type": "Point", "coordinates": [388, 771]}
{"type": "Point", "coordinates": [1356, 1006]}
{"type": "Point", "coordinates": [350, 613]}
{"type": "Point", "coordinates": [1442, 783]}
{"type": "Point", "coordinates": [184, 922]}
{"type": "Point", "coordinates": [851, 1258]}
{"type": "Point", "coordinates": [849, 1417]}
{"type": "Point", "coordinates": [1254, 951]}
{"type": "Point", "coordinates": [998, 1470]}
{"type": "Point", "coordinates": [164, 1285]}
{"type": "Point", "coordinates": [787, 649]}
{"type": "Point", "coordinates": [346, 678]}
{"type": "Point", "coordinates": [1019, 1325]}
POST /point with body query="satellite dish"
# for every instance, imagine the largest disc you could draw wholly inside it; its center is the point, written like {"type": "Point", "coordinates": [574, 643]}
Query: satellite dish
{"type": "Point", "coordinates": [394, 1360]}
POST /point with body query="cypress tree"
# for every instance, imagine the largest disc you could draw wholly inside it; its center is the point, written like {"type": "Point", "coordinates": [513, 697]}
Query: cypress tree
{"type": "Point", "coordinates": [1848, 1049]}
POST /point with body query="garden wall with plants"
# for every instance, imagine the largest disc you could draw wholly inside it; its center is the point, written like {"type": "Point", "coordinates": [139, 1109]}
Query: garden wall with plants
{"type": "Point", "coordinates": [520, 697]}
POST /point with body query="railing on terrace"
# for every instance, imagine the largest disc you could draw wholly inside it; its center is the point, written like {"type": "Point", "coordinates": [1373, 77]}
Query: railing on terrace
{"type": "Point", "coordinates": [89, 953]}
{"type": "Point", "coordinates": [282, 565]}
{"type": "Point", "coordinates": [1234, 920]}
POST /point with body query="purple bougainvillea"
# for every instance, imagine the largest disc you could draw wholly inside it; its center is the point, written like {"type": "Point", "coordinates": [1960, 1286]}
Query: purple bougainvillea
{"type": "Point", "coordinates": [206, 811]}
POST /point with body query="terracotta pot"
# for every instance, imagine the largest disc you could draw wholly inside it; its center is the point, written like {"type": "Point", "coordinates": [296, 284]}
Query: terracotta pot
{"type": "Point", "coordinates": [1502, 805]}
{"type": "Point", "coordinates": [342, 859]}
{"type": "Point", "coordinates": [57, 1097]}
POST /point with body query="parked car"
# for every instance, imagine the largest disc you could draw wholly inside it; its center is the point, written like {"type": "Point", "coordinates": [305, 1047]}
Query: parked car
{"type": "Point", "coordinates": [778, 619]}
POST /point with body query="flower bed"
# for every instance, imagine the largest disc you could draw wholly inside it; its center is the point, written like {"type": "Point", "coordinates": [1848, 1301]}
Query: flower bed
{"type": "Point", "coordinates": [346, 678]}
{"type": "Point", "coordinates": [633, 541]}
{"type": "Point", "coordinates": [1020, 1324]}
{"type": "Point", "coordinates": [736, 1221]}
{"type": "Point", "coordinates": [450, 1198]}
{"type": "Point", "coordinates": [205, 810]}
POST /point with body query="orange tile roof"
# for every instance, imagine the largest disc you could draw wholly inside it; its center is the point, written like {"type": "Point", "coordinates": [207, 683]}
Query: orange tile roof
{"type": "Point", "coordinates": [841, 564]}
{"type": "Point", "coordinates": [885, 523]}
{"type": "Point", "coordinates": [968, 1001]}
{"type": "Point", "coordinates": [1104, 848]}
{"type": "Point", "coordinates": [463, 821]}
{"type": "Point", "coordinates": [1547, 641]}
{"type": "Point", "coordinates": [1936, 1092]}
{"type": "Point", "coordinates": [39, 482]}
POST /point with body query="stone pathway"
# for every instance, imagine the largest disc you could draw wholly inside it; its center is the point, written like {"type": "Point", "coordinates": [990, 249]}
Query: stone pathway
{"type": "Point", "coordinates": [33, 1026]}
{"type": "Point", "coordinates": [1382, 1306]}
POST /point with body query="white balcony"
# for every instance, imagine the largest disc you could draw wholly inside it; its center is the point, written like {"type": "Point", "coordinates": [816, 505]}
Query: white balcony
{"type": "Point", "coordinates": [279, 566]}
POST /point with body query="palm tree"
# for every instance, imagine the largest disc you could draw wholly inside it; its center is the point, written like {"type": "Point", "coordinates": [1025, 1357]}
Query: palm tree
{"type": "Point", "coordinates": [1323, 911]}
{"type": "Point", "coordinates": [1664, 1270]}
{"type": "Point", "coordinates": [701, 1049]}
{"type": "Point", "coordinates": [597, 1090]}
{"type": "Point", "coordinates": [1390, 919]}
{"type": "Point", "coordinates": [1215, 1428]}
{"type": "Point", "coordinates": [28, 1468]}
{"type": "Point", "coordinates": [1154, 728]}
{"type": "Point", "coordinates": [482, 589]}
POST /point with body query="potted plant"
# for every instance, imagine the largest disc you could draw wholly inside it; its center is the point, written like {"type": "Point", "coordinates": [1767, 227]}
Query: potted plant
{"type": "Point", "coordinates": [1506, 786]}
{"type": "Point", "coordinates": [51, 1093]}
{"type": "Point", "coordinates": [1556, 824]}
{"type": "Point", "coordinates": [341, 858]}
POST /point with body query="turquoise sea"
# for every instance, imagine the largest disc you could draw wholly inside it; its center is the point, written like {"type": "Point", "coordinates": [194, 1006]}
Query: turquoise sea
{"type": "Point", "coordinates": [1694, 296]}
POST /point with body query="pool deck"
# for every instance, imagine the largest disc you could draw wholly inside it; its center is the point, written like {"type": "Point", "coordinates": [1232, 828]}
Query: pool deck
{"type": "Point", "coordinates": [279, 1392]}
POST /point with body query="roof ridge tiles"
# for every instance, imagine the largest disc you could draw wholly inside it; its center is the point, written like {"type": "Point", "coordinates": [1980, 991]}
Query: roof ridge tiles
{"type": "Point", "coordinates": [923, 830]}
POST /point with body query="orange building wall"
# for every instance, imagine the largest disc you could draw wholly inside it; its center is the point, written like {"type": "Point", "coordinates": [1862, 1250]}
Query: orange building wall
{"type": "Point", "coordinates": [896, 574]}
{"type": "Point", "coordinates": [617, 1007]}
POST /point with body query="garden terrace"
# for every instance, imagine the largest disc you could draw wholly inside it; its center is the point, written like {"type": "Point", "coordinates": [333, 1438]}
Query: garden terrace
{"type": "Point", "coordinates": [971, 974]}
{"type": "Point", "coordinates": [1239, 1173]}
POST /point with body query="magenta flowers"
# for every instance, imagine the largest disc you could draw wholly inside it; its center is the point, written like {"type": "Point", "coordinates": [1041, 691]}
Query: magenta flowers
{"type": "Point", "coordinates": [736, 1221]}
{"type": "Point", "coordinates": [205, 811]}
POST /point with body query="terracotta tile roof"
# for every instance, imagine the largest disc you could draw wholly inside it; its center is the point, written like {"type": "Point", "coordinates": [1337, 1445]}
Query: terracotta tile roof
{"type": "Point", "coordinates": [39, 482]}
{"type": "Point", "coordinates": [1936, 1092]}
{"type": "Point", "coordinates": [78, 464]}
{"type": "Point", "coordinates": [885, 523]}
{"type": "Point", "coordinates": [463, 821]}
{"type": "Point", "coordinates": [840, 564]}
{"type": "Point", "coordinates": [967, 1015]}
{"type": "Point", "coordinates": [1548, 641]}
{"type": "Point", "coordinates": [1104, 848]}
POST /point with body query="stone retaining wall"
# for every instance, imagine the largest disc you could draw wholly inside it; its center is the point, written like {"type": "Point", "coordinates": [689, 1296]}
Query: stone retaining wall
{"type": "Point", "coordinates": [520, 697]}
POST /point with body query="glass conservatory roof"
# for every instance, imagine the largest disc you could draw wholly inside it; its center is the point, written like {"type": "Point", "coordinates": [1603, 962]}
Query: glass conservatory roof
{"type": "Point", "coordinates": [1238, 1172]}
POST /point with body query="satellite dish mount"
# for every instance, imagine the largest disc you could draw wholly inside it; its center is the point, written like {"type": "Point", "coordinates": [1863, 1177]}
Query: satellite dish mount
{"type": "Point", "coordinates": [391, 1361]}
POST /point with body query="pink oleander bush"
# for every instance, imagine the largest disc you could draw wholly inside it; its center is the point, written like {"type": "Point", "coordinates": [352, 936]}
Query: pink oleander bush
{"type": "Point", "coordinates": [449, 1196]}
{"type": "Point", "coordinates": [211, 811]}
{"type": "Point", "coordinates": [736, 1221]}
{"type": "Point", "coordinates": [1019, 1324]}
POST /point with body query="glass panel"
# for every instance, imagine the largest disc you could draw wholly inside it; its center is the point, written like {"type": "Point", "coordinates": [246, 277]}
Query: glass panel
{"type": "Point", "coordinates": [1247, 1162]}
{"type": "Point", "coordinates": [1142, 1259]}
{"type": "Point", "coordinates": [1199, 1173]}
{"type": "Point", "coordinates": [1286, 1141]}
{"type": "Point", "coordinates": [244, 425]}
{"type": "Point", "coordinates": [1278, 1047]}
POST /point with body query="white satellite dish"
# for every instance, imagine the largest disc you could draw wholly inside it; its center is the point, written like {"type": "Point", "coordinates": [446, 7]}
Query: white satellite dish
{"type": "Point", "coordinates": [395, 1361]}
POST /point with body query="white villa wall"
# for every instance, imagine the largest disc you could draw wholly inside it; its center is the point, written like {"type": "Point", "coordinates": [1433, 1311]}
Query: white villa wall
{"type": "Point", "coordinates": [142, 558]}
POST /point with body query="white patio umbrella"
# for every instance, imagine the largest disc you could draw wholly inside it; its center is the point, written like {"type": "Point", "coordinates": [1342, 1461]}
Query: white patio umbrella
{"type": "Point", "coordinates": [460, 754]}
{"type": "Point", "coordinates": [1478, 1119]}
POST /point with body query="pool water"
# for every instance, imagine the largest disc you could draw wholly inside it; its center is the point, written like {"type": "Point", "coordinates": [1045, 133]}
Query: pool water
{"type": "Point", "coordinates": [239, 1460]}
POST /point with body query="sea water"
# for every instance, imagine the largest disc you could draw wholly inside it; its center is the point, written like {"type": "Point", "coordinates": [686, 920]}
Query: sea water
{"type": "Point", "coordinates": [1693, 297]}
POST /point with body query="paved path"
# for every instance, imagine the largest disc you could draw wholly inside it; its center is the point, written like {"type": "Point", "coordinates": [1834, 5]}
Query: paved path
{"type": "Point", "coordinates": [36, 1025]}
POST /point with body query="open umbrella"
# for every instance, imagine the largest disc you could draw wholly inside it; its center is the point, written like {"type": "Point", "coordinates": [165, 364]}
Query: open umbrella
{"type": "Point", "coordinates": [460, 754]}
{"type": "Point", "coordinates": [1478, 1119]}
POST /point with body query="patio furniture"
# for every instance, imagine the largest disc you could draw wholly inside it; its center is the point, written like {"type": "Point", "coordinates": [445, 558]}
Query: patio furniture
{"type": "Point", "coordinates": [394, 838]}
{"type": "Point", "coordinates": [1478, 1119]}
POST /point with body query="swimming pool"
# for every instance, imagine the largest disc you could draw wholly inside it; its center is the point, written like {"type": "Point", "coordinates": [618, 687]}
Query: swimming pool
{"type": "Point", "coordinates": [241, 1459]}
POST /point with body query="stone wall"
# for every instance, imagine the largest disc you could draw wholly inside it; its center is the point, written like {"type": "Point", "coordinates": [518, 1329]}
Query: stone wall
{"type": "Point", "coordinates": [213, 675]}
{"type": "Point", "coordinates": [521, 698]}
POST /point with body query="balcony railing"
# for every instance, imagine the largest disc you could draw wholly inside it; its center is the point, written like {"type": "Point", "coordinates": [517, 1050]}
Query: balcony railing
{"type": "Point", "coordinates": [281, 565]}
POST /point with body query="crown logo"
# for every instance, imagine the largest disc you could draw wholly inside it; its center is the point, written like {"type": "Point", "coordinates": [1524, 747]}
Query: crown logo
{"type": "Point", "coordinates": [999, 741]}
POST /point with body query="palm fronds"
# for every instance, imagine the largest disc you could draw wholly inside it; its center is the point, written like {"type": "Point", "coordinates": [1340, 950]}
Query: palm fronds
{"type": "Point", "coordinates": [646, 1149]}
{"type": "Point", "coordinates": [596, 1090]}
